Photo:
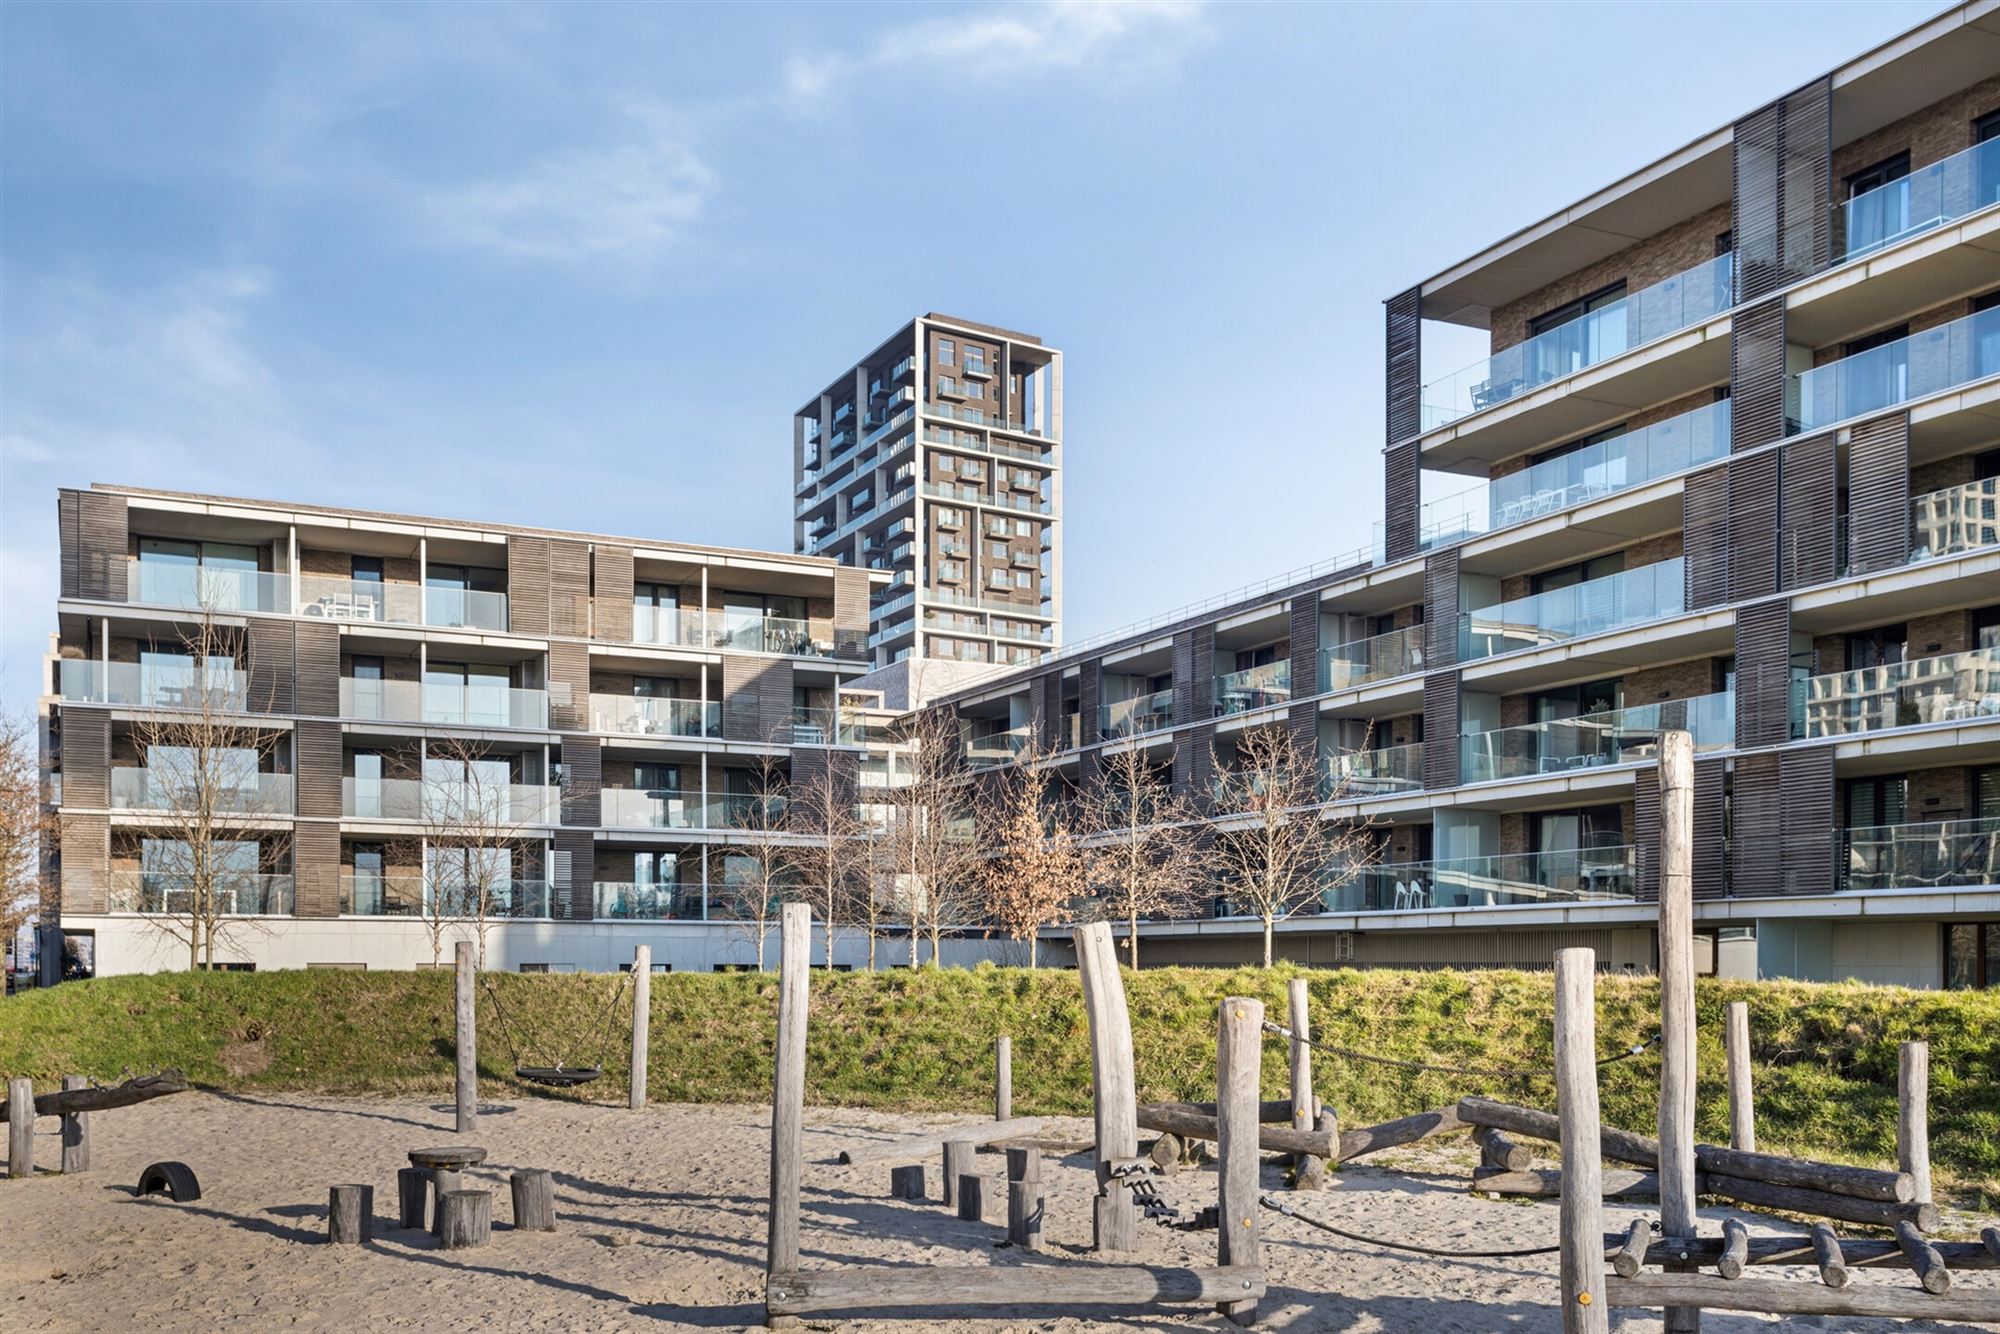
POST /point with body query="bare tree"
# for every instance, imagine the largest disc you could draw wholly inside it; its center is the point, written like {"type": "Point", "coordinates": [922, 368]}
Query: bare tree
{"type": "Point", "coordinates": [1275, 853]}
{"type": "Point", "coordinates": [872, 891]}
{"type": "Point", "coordinates": [1035, 870]}
{"type": "Point", "coordinates": [829, 860]}
{"type": "Point", "coordinates": [480, 830]}
{"type": "Point", "coordinates": [933, 845]}
{"type": "Point", "coordinates": [27, 829]}
{"type": "Point", "coordinates": [760, 854]}
{"type": "Point", "coordinates": [1143, 843]}
{"type": "Point", "coordinates": [214, 793]}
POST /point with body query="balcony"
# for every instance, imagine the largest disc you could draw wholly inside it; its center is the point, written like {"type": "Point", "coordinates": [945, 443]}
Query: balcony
{"type": "Point", "coordinates": [436, 702]}
{"type": "Point", "coordinates": [1353, 774]}
{"type": "Point", "coordinates": [973, 495]}
{"type": "Point", "coordinates": [1254, 688]}
{"type": "Point", "coordinates": [1928, 197]}
{"type": "Point", "coordinates": [1956, 519]}
{"type": "Point", "coordinates": [466, 809]}
{"type": "Point", "coordinates": [976, 366]}
{"type": "Point", "coordinates": [635, 715]}
{"type": "Point", "coordinates": [772, 634]}
{"type": "Point", "coordinates": [1633, 597]}
{"type": "Point", "coordinates": [1932, 855]}
{"type": "Point", "coordinates": [191, 587]}
{"type": "Point", "coordinates": [1137, 716]}
{"type": "Point", "coordinates": [1680, 302]}
{"type": "Point", "coordinates": [1951, 688]}
{"type": "Point", "coordinates": [1397, 653]}
{"type": "Point", "coordinates": [190, 790]}
{"type": "Point", "coordinates": [640, 808]}
{"type": "Point", "coordinates": [337, 599]}
{"type": "Point", "coordinates": [1488, 882]}
{"type": "Point", "coordinates": [233, 894]}
{"type": "Point", "coordinates": [1925, 363]}
{"type": "Point", "coordinates": [407, 894]}
{"type": "Point", "coordinates": [465, 608]}
{"type": "Point", "coordinates": [631, 901]}
{"type": "Point", "coordinates": [153, 685]}
{"type": "Point", "coordinates": [994, 748]}
{"type": "Point", "coordinates": [654, 624]}
{"type": "Point", "coordinates": [1610, 466]}
{"type": "Point", "coordinates": [1594, 740]}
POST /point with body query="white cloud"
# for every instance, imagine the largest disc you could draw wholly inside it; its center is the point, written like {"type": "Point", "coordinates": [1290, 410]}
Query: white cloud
{"type": "Point", "coordinates": [634, 200]}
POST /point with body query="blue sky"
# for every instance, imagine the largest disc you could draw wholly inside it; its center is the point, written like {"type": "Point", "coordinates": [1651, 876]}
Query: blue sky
{"type": "Point", "coordinates": [577, 265]}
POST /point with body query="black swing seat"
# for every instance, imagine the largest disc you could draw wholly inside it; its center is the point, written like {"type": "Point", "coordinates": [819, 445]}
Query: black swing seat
{"type": "Point", "coordinates": [557, 1076]}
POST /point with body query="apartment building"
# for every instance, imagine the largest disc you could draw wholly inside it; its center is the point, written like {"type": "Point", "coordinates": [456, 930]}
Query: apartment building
{"type": "Point", "coordinates": [1732, 465]}
{"type": "Point", "coordinates": [604, 716]}
{"type": "Point", "coordinates": [937, 459]}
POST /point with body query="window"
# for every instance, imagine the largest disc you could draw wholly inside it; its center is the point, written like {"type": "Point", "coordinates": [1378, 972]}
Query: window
{"type": "Point", "coordinates": [1256, 657]}
{"type": "Point", "coordinates": [470, 693]}
{"type": "Point", "coordinates": [1876, 801]}
{"type": "Point", "coordinates": [946, 349]}
{"type": "Point", "coordinates": [221, 575]}
{"type": "Point", "coordinates": [660, 780]}
{"type": "Point", "coordinates": [1597, 567]}
{"type": "Point", "coordinates": [1881, 174]}
{"type": "Point", "coordinates": [1577, 701]}
{"type": "Point", "coordinates": [655, 613]}
{"type": "Point", "coordinates": [367, 569]}
{"type": "Point", "coordinates": [1986, 128]}
{"type": "Point", "coordinates": [1971, 955]}
{"type": "Point", "coordinates": [1880, 647]}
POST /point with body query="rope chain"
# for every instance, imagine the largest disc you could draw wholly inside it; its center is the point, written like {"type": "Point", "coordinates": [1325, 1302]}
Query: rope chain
{"type": "Point", "coordinates": [1270, 1201]}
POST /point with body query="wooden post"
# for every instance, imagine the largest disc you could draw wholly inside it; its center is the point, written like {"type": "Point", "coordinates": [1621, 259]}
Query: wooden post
{"type": "Point", "coordinates": [534, 1192]}
{"type": "Point", "coordinates": [1113, 1088]}
{"type": "Point", "coordinates": [20, 1127]}
{"type": "Point", "coordinates": [1913, 1116]}
{"type": "Point", "coordinates": [443, 1182]}
{"type": "Point", "coordinates": [1024, 1164]}
{"type": "Point", "coordinates": [1735, 1248]}
{"type": "Point", "coordinates": [1631, 1257]}
{"type": "Point", "coordinates": [1003, 1078]}
{"type": "Point", "coordinates": [466, 1037]}
{"type": "Point", "coordinates": [1676, 933]}
{"type": "Point", "coordinates": [788, 1100]}
{"type": "Point", "coordinates": [350, 1215]}
{"type": "Point", "coordinates": [1826, 1254]}
{"type": "Point", "coordinates": [75, 1132]}
{"type": "Point", "coordinates": [971, 1196]}
{"type": "Point", "coordinates": [1239, 1052]}
{"type": "Point", "coordinates": [1024, 1214]}
{"type": "Point", "coordinates": [1308, 1171]}
{"type": "Point", "coordinates": [1924, 1259]}
{"type": "Point", "coordinates": [1582, 1209]}
{"type": "Point", "coordinates": [465, 1219]}
{"type": "Point", "coordinates": [958, 1162]}
{"type": "Point", "coordinates": [1742, 1107]}
{"type": "Point", "coordinates": [906, 1182]}
{"type": "Point", "coordinates": [642, 1018]}
{"type": "Point", "coordinates": [413, 1195]}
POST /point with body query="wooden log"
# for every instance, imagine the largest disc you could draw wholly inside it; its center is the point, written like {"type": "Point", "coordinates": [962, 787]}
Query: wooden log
{"type": "Point", "coordinates": [1620, 1146]}
{"type": "Point", "coordinates": [1304, 1106]}
{"type": "Point", "coordinates": [350, 1215]}
{"type": "Point", "coordinates": [1268, 1110]}
{"type": "Point", "coordinates": [906, 1182]}
{"type": "Point", "coordinates": [84, 1099]}
{"type": "Point", "coordinates": [1820, 1203]}
{"type": "Point", "coordinates": [1497, 1150]}
{"type": "Point", "coordinates": [1677, 1030]}
{"type": "Point", "coordinates": [1788, 1297]}
{"type": "Point", "coordinates": [1003, 1078]}
{"type": "Point", "coordinates": [1854, 1254]}
{"type": "Point", "coordinates": [1114, 1096]}
{"type": "Point", "coordinates": [1991, 1237]}
{"type": "Point", "coordinates": [75, 1130]}
{"type": "Point", "coordinates": [1826, 1254]}
{"type": "Point", "coordinates": [642, 1025]}
{"type": "Point", "coordinates": [1735, 1248]}
{"type": "Point", "coordinates": [1173, 1117]}
{"type": "Point", "coordinates": [534, 1192]}
{"type": "Point", "coordinates": [971, 1197]}
{"type": "Point", "coordinates": [1630, 1256]}
{"type": "Point", "coordinates": [1405, 1130]}
{"type": "Point", "coordinates": [21, 1129]}
{"type": "Point", "coordinates": [919, 1147]}
{"type": "Point", "coordinates": [465, 1088]}
{"type": "Point", "coordinates": [958, 1160]}
{"type": "Point", "coordinates": [788, 1103]}
{"type": "Point", "coordinates": [413, 1196]}
{"type": "Point", "coordinates": [1546, 1182]}
{"type": "Point", "coordinates": [1924, 1259]}
{"type": "Point", "coordinates": [1316, 1171]}
{"type": "Point", "coordinates": [1742, 1108]}
{"type": "Point", "coordinates": [1582, 1211]}
{"type": "Point", "coordinates": [465, 1219]}
{"type": "Point", "coordinates": [1024, 1214]}
{"type": "Point", "coordinates": [1239, 1050]}
{"type": "Point", "coordinates": [1913, 1110]}
{"type": "Point", "coordinates": [865, 1287]}
{"type": "Point", "coordinates": [443, 1180]}
{"type": "Point", "coordinates": [1024, 1163]}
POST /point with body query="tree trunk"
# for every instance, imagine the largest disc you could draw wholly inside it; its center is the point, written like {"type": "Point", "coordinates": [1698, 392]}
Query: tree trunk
{"type": "Point", "coordinates": [1267, 937]}
{"type": "Point", "coordinates": [1031, 949]}
{"type": "Point", "coordinates": [1132, 938]}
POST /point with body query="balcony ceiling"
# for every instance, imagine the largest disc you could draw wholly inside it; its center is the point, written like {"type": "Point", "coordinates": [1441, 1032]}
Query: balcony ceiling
{"type": "Point", "coordinates": [1955, 422]}
{"type": "Point", "coordinates": [1888, 287]}
{"type": "Point", "coordinates": [1908, 73]}
{"type": "Point", "coordinates": [1570, 536]}
{"type": "Point", "coordinates": [1972, 580]}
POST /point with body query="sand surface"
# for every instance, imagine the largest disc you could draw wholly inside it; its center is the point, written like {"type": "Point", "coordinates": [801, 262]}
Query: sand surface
{"type": "Point", "coordinates": [662, 1227]}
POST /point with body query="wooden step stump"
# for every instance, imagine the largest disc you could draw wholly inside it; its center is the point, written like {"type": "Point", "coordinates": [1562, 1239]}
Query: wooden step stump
{"type": "Point", "coordinates": [465, 1219]}
{"type": "Point", "coordinates": [1024, 1214]}
{"type": "Point", "coordinates": [21, 1128]}
{"type": "Point", "coordinates": [971, 1197]}
{"type": "Point", "coordinates": [413, 1196]}
{"type": "Point", "coordinates": [958, 1158]}
{"type": "Point", "coordinates": [906, 1183]}
{"type": "Point", "coordinates": [75, 1131]}
{"type": "Point", "coordinates": [443, 1181]}
{"type": "Point", "coordinates": [350, 1215]}
{"type": "Point", "coordinates": [534, 1200]}
{"type": "Point", "coordinates": [1024, 1164]}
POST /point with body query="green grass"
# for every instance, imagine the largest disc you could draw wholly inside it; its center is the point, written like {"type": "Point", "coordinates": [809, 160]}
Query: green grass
{"type": "Point", "coordinates": [1825, 1055]}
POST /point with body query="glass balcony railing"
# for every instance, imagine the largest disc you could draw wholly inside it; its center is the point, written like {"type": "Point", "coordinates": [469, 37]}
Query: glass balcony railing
{"type": "Point", "coordinates": [412, 894]}
{"type": "Point", "coordinates": [1620, 736]}
{"type": "Point", "coordinates": [1924, 363]}
{"type": "Point", "coordinates": [1352, 774]}
{"type": "Point", "coordinates": [465, 607]}
{"type": "Point", "coordinates": [653, 624]}
{"type": "Point", "coordinates": [1397, 653]}
{"type": "Point", "coordinates": [624, 900]}
{"type": "Point", "coordinates": [1633, 597]}
{"type": "Point", "coordinates": [639, 808]}
{"type": "Point", "coordinates": [191, 791]}
{"type": "Point", "coordinates": [1931, 855]}
{"type": "Point", "coordinates": [643, 716]}
{"type": "Point", "coordinates": [191, 587]}
{"type": "Point", "coordinates": [234, 894]}
{"type": "Point", "coordinates": [153, 685]}
{"type": "Point", "coordinates": [1651, 313]}
{"type": "Point", "coordinates": [1485, 882]}
{"type": "Point", "coordinates": [1956, 519]}
{"type": "Point", "coordinates": [360, 600]}
{"type": "Point", "coordinates": [1928, 197]}
{"type": "Point", "coordinates": [1137, 716]}
{"type": "Point", "coordinates": [1949, 688]}
{"type": "Point", "coordinates": [994, 747]}
{"type": "Point", "coordinates": [463, 705]}
{"type": "Point", "coordinates": [1253, 688]}
{"type": "Point", "coordinates": [462, 807]}
{"type": "Point", "coordinates": [1611, 466]}
{"type": "Point", "coordinates": [772, 634]}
